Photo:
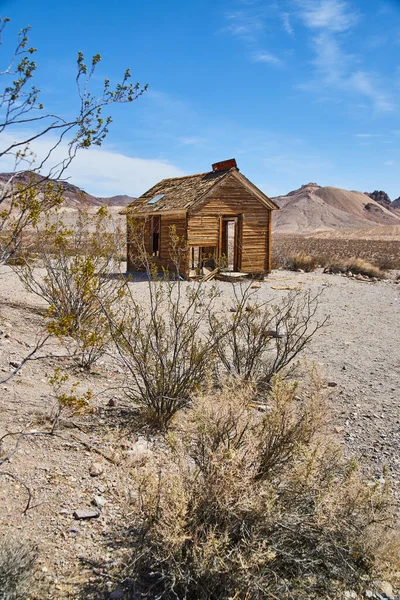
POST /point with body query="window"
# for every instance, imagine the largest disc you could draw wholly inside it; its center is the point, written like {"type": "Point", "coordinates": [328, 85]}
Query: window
{"type": "Point", "coordinates": [156, 199]}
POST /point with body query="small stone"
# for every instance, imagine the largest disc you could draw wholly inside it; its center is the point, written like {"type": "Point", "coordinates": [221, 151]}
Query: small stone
{"type": "Point", "coordinates": [74, 531]}
{"type": "Point", "coordinates": [369, 594]}
{"type": "Point", "coordinates": [99, 501]}
{"type": "Point", "coordinates": [140, 452]}
{"type": "Point", "coordinates": [274, 333]}
{"type": "Point", "coordinates": [83, 514]}
{"type": "Point", "coordinates": [264, 407]}
{"type": "Point", "coordinates": [339, 429]}
{"type": "Point", "coordinates": [350, 594]}
{"type": "Point", "coordinates": [112, 402]}
{"type": "Point", "coordinates": [384, 587]}
{"type": "Point", "coordinates": [256, 285]}
{"type": "Point", "coordinates": [116, 595]}
{"type": "Point", "coordinates": [332, 384]}
{"type": "Point", "coordinates": [96, 469]}
{"type": "Point", "coordinates": [14, 364]}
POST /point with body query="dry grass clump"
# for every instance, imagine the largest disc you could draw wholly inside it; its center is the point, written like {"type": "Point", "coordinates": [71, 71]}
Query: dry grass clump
{"type": "Point", "coordinates": [303, 261]}
{"type": "Point", "coordinates": [251, 505]}
{"type": "Point", "coordinates": [17, 559]}
{"type": "Point", "coordinates": [357, 266]}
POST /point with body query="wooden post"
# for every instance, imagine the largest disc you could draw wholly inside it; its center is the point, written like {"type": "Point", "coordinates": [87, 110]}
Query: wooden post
{"type": "Point", "coordinates": [269, 243]}
{"type": "Point", "coordinates": [220, 239]}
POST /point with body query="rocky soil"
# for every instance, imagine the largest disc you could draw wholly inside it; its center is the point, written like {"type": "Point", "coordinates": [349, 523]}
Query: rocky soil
{"type": "Point", "coordinates": [87, 466]}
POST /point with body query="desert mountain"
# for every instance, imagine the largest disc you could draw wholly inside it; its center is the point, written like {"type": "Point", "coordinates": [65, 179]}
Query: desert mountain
{"type": "Point", "coordinates": [381, 198]}
{"type": "Point", "coordinates": [313, 208]}
{"type": "Point", "coordinates": [396, 204]}
{"type": "Point", "coordinates": [73, 195]}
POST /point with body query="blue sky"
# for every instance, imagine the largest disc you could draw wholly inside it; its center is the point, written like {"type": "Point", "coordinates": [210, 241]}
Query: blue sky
{"type": "Point", "coordinates": [295, 90]}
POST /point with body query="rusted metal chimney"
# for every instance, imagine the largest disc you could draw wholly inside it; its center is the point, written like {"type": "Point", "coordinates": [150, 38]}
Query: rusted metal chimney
{"type": "Point", "coordinates": [224, 165]}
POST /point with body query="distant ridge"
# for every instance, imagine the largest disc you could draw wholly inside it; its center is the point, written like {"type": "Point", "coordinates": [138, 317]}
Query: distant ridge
{"type": "Point", "coordinates": [313, 209]}
{"type": "Point", "coordinates": [73, 195]}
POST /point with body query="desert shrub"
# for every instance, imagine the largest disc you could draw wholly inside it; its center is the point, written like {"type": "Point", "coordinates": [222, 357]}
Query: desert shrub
{"type": "Point", "coordinates": [66, 397]}
{"type": "Point", "coordinates": [81, 275]}
{"type": "Point", "coordinates": [161, 346]}
{"type": "Point", "coordinates": [162, 341]}
{"type": "Point", "coordinates": [169, 342]}
{"type": "Point", "coordinates": [356, 266]}
{"type": "Point", "coordinates": [256, 505]}
{"type": "Point", "coordinates": [386, 263]}
{"type": "Point", "coordinates": [17, 559]}
{"type": "Point", "coordinates": [302, 261]}
{"type": "Point", "coordinates": [261, 340]}
{"type": "Point", "coordinates": [362, 267]}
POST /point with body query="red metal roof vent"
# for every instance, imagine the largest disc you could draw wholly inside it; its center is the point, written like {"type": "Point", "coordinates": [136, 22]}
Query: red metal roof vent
{"type": "Point", "coordinates": [224, 165]}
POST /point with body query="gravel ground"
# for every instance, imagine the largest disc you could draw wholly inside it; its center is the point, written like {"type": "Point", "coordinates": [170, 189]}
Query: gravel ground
{"type": "Point", "coordinates": [359, 352]}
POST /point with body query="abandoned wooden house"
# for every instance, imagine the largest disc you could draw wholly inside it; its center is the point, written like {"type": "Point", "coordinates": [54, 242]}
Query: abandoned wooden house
{"type": "Point", "coordinates": [220, 218]}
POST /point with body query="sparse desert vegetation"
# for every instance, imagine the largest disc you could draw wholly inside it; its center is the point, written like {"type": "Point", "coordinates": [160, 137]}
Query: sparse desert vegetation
{"type": "Point", "coordinates": [255, 504]}
{"type": "Point", "coordinates": [243, 485]}
{"type": "Point", "coordinates": [292, 251]}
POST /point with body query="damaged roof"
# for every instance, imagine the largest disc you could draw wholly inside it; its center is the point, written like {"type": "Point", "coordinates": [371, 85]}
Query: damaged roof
{"type": "Point", "coordinates": [181, 193]}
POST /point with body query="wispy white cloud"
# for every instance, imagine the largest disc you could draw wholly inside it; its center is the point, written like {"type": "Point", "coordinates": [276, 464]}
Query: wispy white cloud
{"type": "Point", "coordinates": [191, 141]}
{"type": "Point", "coordinates": [368, 85]}
{"type": "Point", "coordinates": [287, 25]}
{"type": "Point", "coordinates": [336, 69]}
{"type": "Point", "coordinates": [389, 163]}
{"type": "Point", "coordinates": [100, 171]}
{"type": "Point", "coordinates": [330, 15]}
{"type": "Point", "coordinates": [249, 26]}
{"type": "Point", "coordinates": [367, 135]}
{"type": "Point", "coordinates": [331, 62]}
{"type": "Point", "coordinates": [266, 57]}
{"type": "Point", "coordinates": [244, 25]}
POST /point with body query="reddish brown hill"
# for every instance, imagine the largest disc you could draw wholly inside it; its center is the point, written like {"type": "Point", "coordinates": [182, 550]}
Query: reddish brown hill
{"type": "Point", "coordinates": [313, 208]}
{"type": "Point", "coordinates": [73, 195]}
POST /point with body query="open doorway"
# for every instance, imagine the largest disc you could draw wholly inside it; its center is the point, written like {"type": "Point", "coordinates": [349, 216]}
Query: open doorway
{"type": "Point", "coordinates": [201, 256]}
{"type": "Point", "coordinates": [229, 242]}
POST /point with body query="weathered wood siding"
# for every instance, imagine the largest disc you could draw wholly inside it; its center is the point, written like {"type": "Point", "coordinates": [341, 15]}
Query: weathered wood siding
{"type": "Point", "coordinates": [141, 229]}
{"type": "Point", "coordinates": [232, 198]}
{"type": "Point", "coordinates": [203, 230]}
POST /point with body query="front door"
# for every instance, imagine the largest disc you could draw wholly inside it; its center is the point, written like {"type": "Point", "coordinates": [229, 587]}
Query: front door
{"type": "Point", "coordinates": [230, 242]}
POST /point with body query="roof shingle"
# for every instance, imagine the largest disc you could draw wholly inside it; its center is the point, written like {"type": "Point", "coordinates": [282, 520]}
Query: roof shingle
{"type": "Point", "coordinates": [179, 193]}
